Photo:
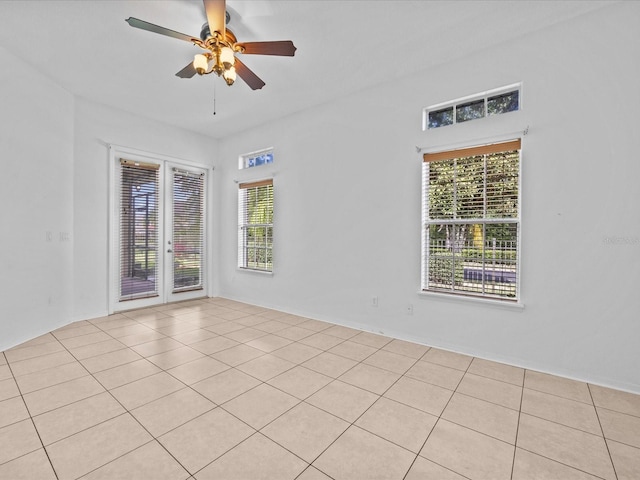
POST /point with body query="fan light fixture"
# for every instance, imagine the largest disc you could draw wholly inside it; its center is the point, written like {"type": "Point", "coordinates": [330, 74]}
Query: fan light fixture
{"type": "Point", "coordinates": [219, 60]}
{"type": "Point", "coordinates": [229, 76]}
{"type": "Point", "coordinates": [201, 63]}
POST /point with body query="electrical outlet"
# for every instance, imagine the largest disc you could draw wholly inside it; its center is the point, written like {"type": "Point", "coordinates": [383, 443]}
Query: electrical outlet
{"type": "Point", "coordinates": [374, 301]}
{"type": "Point", "coordinates": [409, 309]}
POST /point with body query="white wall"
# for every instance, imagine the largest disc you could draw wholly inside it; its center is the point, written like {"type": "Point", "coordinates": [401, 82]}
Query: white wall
{"type": "Point", "coordinates": [347, 195]}
{"type": "Point", "coordinates": [36, 195]}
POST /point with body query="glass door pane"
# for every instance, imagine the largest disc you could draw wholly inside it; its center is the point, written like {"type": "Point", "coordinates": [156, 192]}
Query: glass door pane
{"type": "Point", "coordinates": [139, 230]}
{"type": "Point", "coordinates": [188, 230]}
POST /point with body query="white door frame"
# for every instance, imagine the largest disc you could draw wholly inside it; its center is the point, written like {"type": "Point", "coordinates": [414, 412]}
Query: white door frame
{"type": "Point", "coordinates": [116, 153]}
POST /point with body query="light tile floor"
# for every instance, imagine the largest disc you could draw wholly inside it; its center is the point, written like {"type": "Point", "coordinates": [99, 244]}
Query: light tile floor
{"type": "Point", "coordinates": [215, 389]}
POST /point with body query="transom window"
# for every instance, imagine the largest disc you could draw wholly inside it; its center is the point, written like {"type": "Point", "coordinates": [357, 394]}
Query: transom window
{"type": "Point", "coordinates": [255, 225]}
{"type": "Point", "coordinates": [493, 102]}
{"type": "Point", "coordinates": [255, 159]}
{"type": "Point", "coordinates": [471, 221]}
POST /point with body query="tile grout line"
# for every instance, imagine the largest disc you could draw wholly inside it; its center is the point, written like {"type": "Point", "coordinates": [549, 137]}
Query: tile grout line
{"type": "Point", "coordinates": [515, 442]}
{"type": "Point", "coordinates": [316, 468]}
{"type": "Point", "coordinates": [565, 426]}
{"type": "Point", "coordinates": [559, 396]}
{"type": "Point", "coordinates": [604, 438]}
{"type": "Point", "coordinates": [153, 439]}
{"type": "Point", "coordinates": [487, 401]}
{"type": "Point", "coordinates": [562, 463]}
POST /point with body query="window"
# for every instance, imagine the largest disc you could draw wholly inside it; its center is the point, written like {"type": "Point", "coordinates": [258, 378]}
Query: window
{"type": "Point", "coordinates": [471, 221]}
{"type": "Point", "coordinates": [493, 102]}
{"type": "Point", "coordinates": [255, 159]}
{"type": "Point", "coordinates": [469, 111]}
{"type": "Point", "coordinates": [255, 225]}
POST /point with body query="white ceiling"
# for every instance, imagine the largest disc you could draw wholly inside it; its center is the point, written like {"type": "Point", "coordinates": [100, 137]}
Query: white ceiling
{"type": "Point", "coordinates": [343, 46]}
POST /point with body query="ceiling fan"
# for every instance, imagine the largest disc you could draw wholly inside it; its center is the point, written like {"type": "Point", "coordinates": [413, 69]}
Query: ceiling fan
{"type": "Point", "coordinates": [221, 47]}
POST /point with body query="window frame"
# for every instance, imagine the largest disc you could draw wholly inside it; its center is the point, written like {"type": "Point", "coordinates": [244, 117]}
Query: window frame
{"type": "Point", "coordinates": [243, 262]}
{"type": "Point", "coordinates": [462, 152]}
{"type": "Point", "coordinates": [470, 99]}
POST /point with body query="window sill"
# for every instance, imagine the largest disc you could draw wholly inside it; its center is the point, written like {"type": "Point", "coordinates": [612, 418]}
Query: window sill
{"type": "Point", "coordinates": [455, 298]}
{"type": "Point", "coordinates": [258, 272]}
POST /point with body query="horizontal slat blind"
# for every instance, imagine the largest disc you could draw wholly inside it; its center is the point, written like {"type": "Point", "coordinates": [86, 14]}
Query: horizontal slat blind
{"type": "Point", "coordinates": [188, 230]}
{"type": "Point", "coordinates": [138, 230]}
{"type": "Point", "coordinates": [481, 186]}
{"type": "Point", "coordinates": [255, 225]}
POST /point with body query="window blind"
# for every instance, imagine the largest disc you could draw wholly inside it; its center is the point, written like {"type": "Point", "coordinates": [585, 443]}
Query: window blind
{"type": "Point", "coordinates": [255, 225]}
{"type": "Point", "coordinates": [138, 230]}
{"type": "Point", "coordinates": [188, 230]}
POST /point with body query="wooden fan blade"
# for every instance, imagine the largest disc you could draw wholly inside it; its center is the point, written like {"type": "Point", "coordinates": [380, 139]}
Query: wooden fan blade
{"type": "Point", "coordinates": [150, 27]}
{"type": "Point", "coordinates": [187, 72]}
{"type": "Point", "coordinates": [284, 48]}
{"type": "Point", "coordinates": [216, 16]}
{"type": "Point", "coordinates": [248, 76]}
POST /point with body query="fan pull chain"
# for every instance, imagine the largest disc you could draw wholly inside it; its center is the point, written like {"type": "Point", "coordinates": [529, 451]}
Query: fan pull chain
{"type": "Point", "coordinates": [214, 97]}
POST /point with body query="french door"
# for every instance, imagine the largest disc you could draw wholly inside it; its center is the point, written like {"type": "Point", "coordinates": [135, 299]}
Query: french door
{"type": "Point", "coordinates": [158, 232]}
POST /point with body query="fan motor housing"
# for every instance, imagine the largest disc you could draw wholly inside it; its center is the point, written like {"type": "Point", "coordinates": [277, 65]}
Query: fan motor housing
{"type": "Point", "coordinates": [205, 33]}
